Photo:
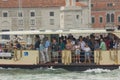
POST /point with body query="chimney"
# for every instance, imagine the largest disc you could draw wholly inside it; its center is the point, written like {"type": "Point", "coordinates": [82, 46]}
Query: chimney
{"type": "Point", "coordinates": [67, 2]}
{"type": "Point", "coordinates": [70, 2]}
{"type": "Point", "coordinates": [73, 2]}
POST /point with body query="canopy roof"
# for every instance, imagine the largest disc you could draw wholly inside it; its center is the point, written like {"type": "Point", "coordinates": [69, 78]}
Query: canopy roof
{"type": "Point", "coordinates": [40, 32]}
{"type": "Point", "coordinates": [51, 32]}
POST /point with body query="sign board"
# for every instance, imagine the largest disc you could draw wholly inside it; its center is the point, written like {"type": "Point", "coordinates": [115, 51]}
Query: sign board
{"type": "Point", "coordinates": [3, 54]}
{"type": "Point", "coordinates": [25, 53]}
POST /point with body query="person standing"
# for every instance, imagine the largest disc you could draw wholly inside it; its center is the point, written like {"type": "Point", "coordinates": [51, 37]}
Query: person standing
{"type": "Point", "coordinates": [37, 42]}
{"type": "Point", "coordinates": [54, 49]}
{"type": "Point", "coordinates": [61, 48]}
{"type": "Point", "coordinates": [87, 54]}
{"type": "Point", "coordinates": [41, 51]}
{"type": "Point", "coordinates": [102, 45]}
{"type": "Point", "coordinates": [77, 52]}
{"type": "Point", "coordinates": [18, 45]}
{"type": "Point", "coordinates": [61, 45]}
{"type": "Point", "coordinates": [96, 45]}
{"type": "Point", "coordinates": [47, 47]}
{"type": "Point", "coordinates": [82, 44]}
{"type": "Point", "coordinates": [66, 54]}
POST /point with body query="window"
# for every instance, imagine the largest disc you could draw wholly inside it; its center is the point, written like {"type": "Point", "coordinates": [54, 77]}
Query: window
{"type": "Point", "coordinates": [5, 14]}
{"type": "Point", "coordinates": [51, 13]}
{"type": "Point", "coordinates": [101, 19]}
{"type": "Point", "coordinates": [20, 14]}
{"type": "Point", "coordinates": [92, 5]}
{"type": "Point", "coordinates": [77, 16]}
{"type": "Point", "coordinates": [20, 22]}
{"type": "Point", "coordinates": [110, 4]}
{"type": "Point", "coordinates": [32, 14]}
{"type": "Point", "coordinates": [5, 36]}
{"type": "Point", "coordinates": [93, 20]}
{"type": "Point", "coordinates": [108, 18]}
{"type": "Point", "coordinates": [112, 17]}
{"type": "Point", "coordinates": [77, 0]}
{"type": "Point", "coordinates": [32, 22]}
{"type": "Point", "coordinates": [119, 19]}
{"type": "Point", "coordinates": [51, 21]}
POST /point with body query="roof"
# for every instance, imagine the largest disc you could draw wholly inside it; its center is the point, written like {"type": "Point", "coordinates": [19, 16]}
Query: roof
{"type": "Point", "coordinates": [80, 4]}
{"type": "Point", "coordinates": [31, 3]}
{"type": "Point", "coordinates": [117, 32]}
{"type": "Point", "coordinates": [35, 3]}
{"type": "Point", "coordinates": [51, 32]}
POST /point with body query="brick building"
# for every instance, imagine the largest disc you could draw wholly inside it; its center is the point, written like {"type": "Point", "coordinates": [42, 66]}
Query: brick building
{"type": "Point", "coordinates": [105, 13]}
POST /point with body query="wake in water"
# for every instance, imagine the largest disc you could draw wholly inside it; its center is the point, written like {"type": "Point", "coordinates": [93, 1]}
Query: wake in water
{"type": "Point", "coordinates": [97, 70]}
{"type": "Point", "coordinates": [57, 74]}
{"type": "Point", "coordinates": [32, 71]}
{"type": "Point", "coordinates": [52, 70]}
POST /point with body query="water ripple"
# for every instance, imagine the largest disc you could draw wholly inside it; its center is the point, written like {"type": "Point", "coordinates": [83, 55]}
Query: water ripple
{"type": "Point", "coordinates": [57, 74]}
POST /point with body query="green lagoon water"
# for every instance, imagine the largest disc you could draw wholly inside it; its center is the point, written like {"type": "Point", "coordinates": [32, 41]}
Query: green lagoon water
{"type": "Point", "coordinates": [58, 74]}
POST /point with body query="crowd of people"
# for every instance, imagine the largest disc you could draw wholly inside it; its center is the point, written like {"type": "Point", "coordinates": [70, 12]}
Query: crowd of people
{"type": "Point", "coordinates": [55, 49]}
{"type": "Point", "coordinates": [67, 49]}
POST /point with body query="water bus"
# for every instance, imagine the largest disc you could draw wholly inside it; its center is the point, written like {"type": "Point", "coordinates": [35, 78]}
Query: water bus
{"type": "Point", "coordinates": [30, 58]}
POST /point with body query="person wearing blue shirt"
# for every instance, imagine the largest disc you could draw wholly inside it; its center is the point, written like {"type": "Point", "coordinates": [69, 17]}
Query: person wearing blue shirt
{"type": "Point", "coordinates": [47, 45]}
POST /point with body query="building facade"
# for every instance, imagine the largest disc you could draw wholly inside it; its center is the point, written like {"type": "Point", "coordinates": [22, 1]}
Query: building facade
{"type": "Point", "coordinates": [105, 13]}
{"type": "Point", "coordinates": [76, 14]}
{"type": "Point", "coordinates": [44, 14]}
{"type": "Point", "coordinates": [29, 15]}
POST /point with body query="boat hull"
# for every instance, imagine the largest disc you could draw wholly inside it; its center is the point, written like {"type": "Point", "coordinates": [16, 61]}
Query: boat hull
{"type": "Point", "coordinates": [29, 59]}
{"type": "Point", "coordinates": [72, 67]}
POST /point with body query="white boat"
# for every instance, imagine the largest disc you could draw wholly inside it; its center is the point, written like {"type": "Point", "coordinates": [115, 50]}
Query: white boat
{"type": "Point", "coordinates": [108, 59]}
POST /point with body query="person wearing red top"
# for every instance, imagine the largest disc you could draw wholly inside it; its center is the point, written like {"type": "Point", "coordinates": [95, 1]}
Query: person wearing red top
{"type": "Point", "coordinates": [107, 42]}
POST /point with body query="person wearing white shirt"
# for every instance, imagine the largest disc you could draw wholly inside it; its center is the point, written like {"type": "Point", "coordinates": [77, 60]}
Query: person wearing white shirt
{"type": "Point", "coordinates": [87, 54]}
{"type": "Point", "coordinates": [82, 44]}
